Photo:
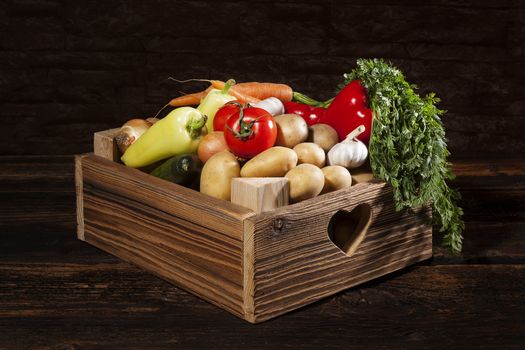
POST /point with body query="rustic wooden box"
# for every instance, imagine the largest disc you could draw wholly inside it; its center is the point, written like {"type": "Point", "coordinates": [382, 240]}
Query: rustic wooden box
{"type": "Point", "coordinates": [256, 266]}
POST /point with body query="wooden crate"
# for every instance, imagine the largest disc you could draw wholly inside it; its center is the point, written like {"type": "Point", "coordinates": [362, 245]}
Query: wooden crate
{"type": "Point", "coordinates": [256, 266]}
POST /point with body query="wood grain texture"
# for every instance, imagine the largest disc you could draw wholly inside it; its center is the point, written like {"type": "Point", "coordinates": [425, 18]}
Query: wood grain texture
{"type": "Point", "coordinates": [295, 263]}
{"type": "Point", "coordinates": [57, 292]}
{"type": "Point", "coordinates": [249, 270]}
{"type": "Point", "coordinates": [166, 196]}
{"type": "Point", "coordinates": [489, 168]}
{"type": "Point", "coordinates": [79, 191]}
{"type": "Point", "coordinates": [92, 305]}
{"type": "Point", "coordinates": [37, 212]}
{"type": "Point", "coordinates": [260, 194]}
{"type": "Point", "coordinates": [189, 255]}
{"type": "Point", "coordinates": [162, 235]}
{"type": "Point", "coordinates": [113, 194]}
{"type": "Point", "coordinates": [104, 144]}
{"type": "Point", "coordinates": [93, 72]}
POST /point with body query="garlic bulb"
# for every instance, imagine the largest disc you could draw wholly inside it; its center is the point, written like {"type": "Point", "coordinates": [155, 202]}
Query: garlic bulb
{"type": "Point", "coordinates": [349, 153]}
{"type": "Point", "coordinates": [131, 131]}
{"type": "Point", "coordinates": [272, 105]}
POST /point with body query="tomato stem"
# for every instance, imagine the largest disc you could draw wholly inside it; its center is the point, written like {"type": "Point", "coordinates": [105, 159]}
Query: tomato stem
{"type": "Point", "coordinates": [245, 129]}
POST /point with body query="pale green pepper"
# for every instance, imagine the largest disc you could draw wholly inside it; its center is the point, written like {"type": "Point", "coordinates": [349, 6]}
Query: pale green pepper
{"type": "Point", "coordinates": [178, 133]}
{"type": "Point", "coordinates": [214, 100]}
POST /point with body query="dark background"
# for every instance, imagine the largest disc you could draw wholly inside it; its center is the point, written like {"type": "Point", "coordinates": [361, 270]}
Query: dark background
{"type": "Point", "coordinates": [69, 68]}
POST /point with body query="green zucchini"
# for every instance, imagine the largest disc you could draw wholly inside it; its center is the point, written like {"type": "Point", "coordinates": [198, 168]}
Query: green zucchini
{"type": "Point", "coordinates": [183, 169]}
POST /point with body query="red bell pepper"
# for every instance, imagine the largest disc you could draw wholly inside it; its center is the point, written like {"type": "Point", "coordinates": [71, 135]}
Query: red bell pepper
{"type": "Point", "coordinates": [348, 110]}
{"type": "Point", "coordinates": [312, 115]}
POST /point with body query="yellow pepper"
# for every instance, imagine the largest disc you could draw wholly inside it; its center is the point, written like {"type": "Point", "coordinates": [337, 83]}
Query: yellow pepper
{"type": "Point", "coordinates": [214, 100]}
{"type": "Point", "coordinates": [178, 133]}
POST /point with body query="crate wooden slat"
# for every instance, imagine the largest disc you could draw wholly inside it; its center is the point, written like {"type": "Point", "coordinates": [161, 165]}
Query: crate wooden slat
{"type": "Point", "coordinates": [162, 228]}
{"type": "Point", "coordinates": [295, 263]}
{"type": "Point", "coordinates": [260, 194]}
{"type": "Point", "coordinates": [104, 144]}
{"type": "Point", "coordinates": [255, 265]}
{"type": "Point", "coordinates": [157, 193]}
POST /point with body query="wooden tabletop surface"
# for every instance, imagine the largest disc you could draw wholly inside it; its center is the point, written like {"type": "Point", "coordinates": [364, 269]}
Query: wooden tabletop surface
{"type": "Point", "coordinates": [59, 293]}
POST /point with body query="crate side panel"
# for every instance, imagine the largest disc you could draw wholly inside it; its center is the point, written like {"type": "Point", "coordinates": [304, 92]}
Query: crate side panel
{"type": "Point", "coordinates": [79, 191]}
{"type": "Point", "coordinates": [247, 269]}
{"type": "Point", "coordinates": [195, 257]}
{"type": "Point", "coordinates": [105, 146]}
{"type": "Point", "coordinates": [225, 217]}
{"type": "Point", "coordinates": [296, 264]}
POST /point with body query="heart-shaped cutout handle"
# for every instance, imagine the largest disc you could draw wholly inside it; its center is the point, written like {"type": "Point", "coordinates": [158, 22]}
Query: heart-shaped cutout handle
{"type": "Point", "coordinates": [347, 229]}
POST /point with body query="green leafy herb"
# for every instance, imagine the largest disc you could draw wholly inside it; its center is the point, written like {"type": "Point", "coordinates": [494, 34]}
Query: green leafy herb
{"type": "Point", "coordinates": [408, 147]}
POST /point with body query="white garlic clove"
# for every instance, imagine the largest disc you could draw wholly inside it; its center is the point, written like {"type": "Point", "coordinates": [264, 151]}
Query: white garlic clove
{"type": "Point", "coordinates": [349, 154]}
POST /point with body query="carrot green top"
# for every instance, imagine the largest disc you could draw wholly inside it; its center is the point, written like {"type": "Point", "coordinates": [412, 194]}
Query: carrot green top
{"type": "Point", "coordinates": [408, 147]}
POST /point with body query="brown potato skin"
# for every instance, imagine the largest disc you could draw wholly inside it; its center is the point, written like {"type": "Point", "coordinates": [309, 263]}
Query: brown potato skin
{"type": "Point", "coordinates": [306, 181]}
{"type": "Point", "coordinates": [311, 153]}
{"type": "Point", "coordinates": [217, 174]}
{"type": "Point", "coordinates": [336, 177]}
{"type": "Point", "coordinates": [323, 135]}
{"type": "Point", "coordinates": [274, 162]}
{"type": "Point", "coordinates": [291, 130]}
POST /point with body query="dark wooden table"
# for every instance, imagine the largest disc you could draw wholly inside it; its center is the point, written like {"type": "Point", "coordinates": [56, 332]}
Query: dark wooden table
{"type": "Point", "coordinates": [59, 293]}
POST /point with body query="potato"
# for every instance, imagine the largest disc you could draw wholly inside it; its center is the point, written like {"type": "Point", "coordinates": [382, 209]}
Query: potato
{"type": "Point", "coordinates": [291, 130]}
{"type": "Point", "coordinates": [362, 173]}
{"type": "Point", "coordinates": [306, 181]}
{"type": "Point", "coordinates": [217, 175]}
{"type": "Point", "coordinates": [311, 153]}
{"type": "Point", "coordinates": [323, 135]}
{"type": "Point", "coordinates": [336, 177]}
{"type": "Point", "coordinates": [274, 162]}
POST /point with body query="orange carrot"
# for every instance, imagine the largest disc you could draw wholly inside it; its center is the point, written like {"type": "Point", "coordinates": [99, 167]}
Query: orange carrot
{"type": "Point", "coordinates": [190, 99]}
{"type": "Point", "coordinates": [258, 90]}
{"type": "Point", "coordinates": [195, 98]}
{"type": "Point", "coordinates": [240, 96]}
{"type": "Point", "coordinates": [251, 92]}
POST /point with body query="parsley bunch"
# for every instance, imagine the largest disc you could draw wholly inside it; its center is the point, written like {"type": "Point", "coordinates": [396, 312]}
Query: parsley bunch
{"type": "Point", "coordinates": [408, 147]}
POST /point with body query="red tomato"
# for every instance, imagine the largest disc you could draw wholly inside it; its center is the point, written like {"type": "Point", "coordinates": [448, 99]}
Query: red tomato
{"type": "Point", "coordinates": [225, 112]}
{"type": "Point", "coordinates": [250, 131]}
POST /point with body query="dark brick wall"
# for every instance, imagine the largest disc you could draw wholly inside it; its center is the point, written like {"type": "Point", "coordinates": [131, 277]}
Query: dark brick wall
{"type": "Point", "coordinates": [69, 68]}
